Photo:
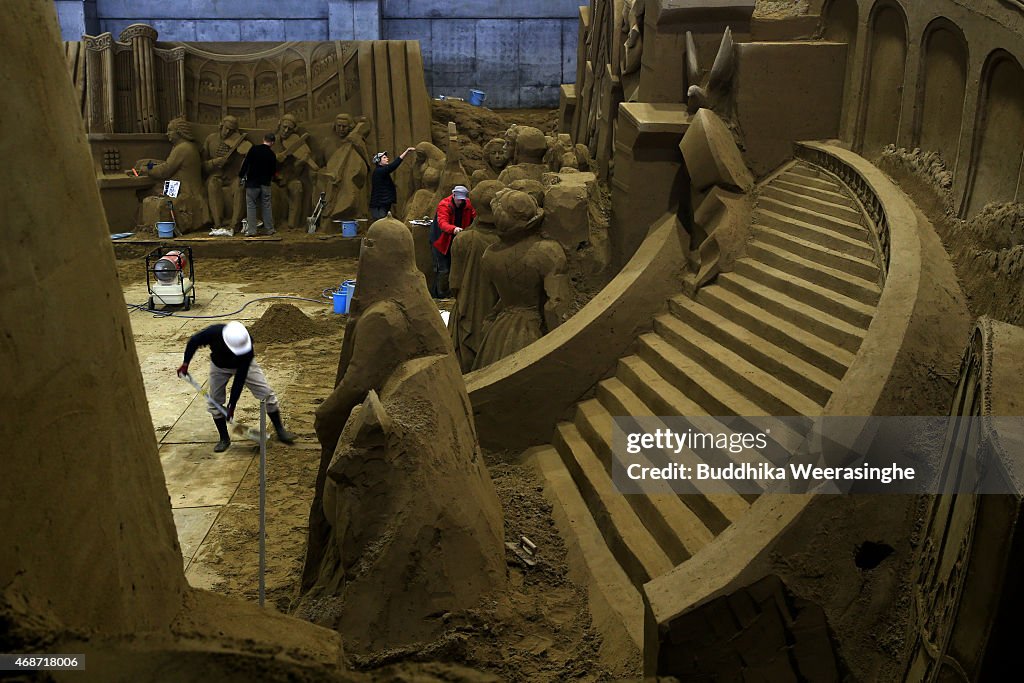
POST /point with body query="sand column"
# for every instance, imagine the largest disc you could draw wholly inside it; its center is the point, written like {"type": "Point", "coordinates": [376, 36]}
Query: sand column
{"type": "Point", "coordinates": [142, 38]}
{"type": "Point", "coordinates": [90, 543]}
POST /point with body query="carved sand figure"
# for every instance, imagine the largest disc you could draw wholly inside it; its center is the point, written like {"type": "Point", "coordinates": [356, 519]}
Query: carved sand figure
{"type": "Point", "coordinates": [222, 154]}
{"type": "Point", "coordinates": [496, 157]}
{"type": "Point", "coordinates": [184, 165]}
{"type": "Point", "coordinates": [632, 47]}
{"type": "Point", "coordinates": [713, 93]}
{"type": "Point", "coordinates": [344, 177]}
{"type": "Point", "coordinates": [530, 146]}
{"type": "Point", "coordinates": [561, 153]}
{"type": "Point", "coordinates": [294, 158]}
{"type": "Point", "coordinates": [474, 296]}
{"type": "Point", "coordinates": [405, 522]}
{"type": "Point", "coordinates": [529, 273]}
{"type": "Point", "coordinates": [454, 172]}
{"type": "Point", "coordinates": [426, 176]}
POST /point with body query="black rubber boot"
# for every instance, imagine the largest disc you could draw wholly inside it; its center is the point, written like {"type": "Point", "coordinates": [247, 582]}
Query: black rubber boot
{"type": "Point", "coordinates": [283, 435]}
{"type": "Point", "coordinates": [222, 429]}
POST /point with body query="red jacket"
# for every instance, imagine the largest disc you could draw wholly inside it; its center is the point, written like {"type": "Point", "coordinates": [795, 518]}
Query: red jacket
{"type": "Point", "coordinates": [446, 221]}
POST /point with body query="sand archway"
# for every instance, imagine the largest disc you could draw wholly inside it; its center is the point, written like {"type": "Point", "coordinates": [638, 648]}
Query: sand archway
{"type": "Point", "coordinates": [840, 25]}
{"type": "Point", "coordinates": [883, 104]}
{"type": "Point", "coordinates": [942, 89]}
{"type": "Point", "coordinates": [1000, 147]}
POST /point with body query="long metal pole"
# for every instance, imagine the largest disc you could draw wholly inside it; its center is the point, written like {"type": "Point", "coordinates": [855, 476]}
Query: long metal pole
{"type": "Point", "coordinates": [263, 500]}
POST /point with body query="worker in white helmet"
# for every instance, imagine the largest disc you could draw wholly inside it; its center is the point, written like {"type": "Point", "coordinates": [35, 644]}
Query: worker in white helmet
{"type": "Point", "coordinates": [231, 353]}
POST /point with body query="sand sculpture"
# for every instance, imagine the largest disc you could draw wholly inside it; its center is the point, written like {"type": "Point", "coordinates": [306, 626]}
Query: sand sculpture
{"type": "Point", "coordinates": [222, 154]}
{"type": "Point", "coordinates": [712, 92]}
{"type": "Point", "coordinates": [632, 37]}
{"type": "Point", "coordinates": [454, 172]}
{"type": "Point", "coordinates": [426, 173]}
{"type": "Point", "coordinates": [184, 164]}
{"type": "Point", "coordinates": [294, 163]}
{"type": "Point", "coordinates": [383, 558]}
{"type": "Point", "coordinates": [531, 187]}
{"type": "Point", "coordinates": [720, 184]}
{"type": "Point", "coordinates": [474, 295]}
{"type": "Point", "coordinates": [344, 177]}
{"type": "Point", "coordinates": [496, 158]}
{"type": "Point", "coordinates": [529, 274]}
{"type": "Point", "coordinates": [95, 566]}
{"type": "Point", "coordinates": [562, 153]}
{"type": "Point", "coordinates": [528, 162]}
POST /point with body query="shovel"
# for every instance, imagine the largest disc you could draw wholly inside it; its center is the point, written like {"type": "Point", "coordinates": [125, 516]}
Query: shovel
{"type": "Point", "coordinates": [239, 430]}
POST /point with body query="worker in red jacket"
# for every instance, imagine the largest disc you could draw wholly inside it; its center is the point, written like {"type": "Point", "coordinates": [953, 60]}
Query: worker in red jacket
{"type": "Point", "coordinates": [454, 214]}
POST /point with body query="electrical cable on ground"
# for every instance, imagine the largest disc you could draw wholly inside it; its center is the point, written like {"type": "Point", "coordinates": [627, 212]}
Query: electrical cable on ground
{"type": "Point", "coordinates": [171, 314]}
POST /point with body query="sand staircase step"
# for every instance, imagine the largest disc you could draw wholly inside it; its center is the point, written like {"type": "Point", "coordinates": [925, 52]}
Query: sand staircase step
{"type": "Point", "coordinates": [812, 179]}
{"type": "Point", "coordinates": [692, 378]}
{"type": "Point", "coordinates": [854, 245]}
{"type": "Point", "coordinates": [774, 396]}
{"type": "Point", "coordinates": [828, 327]}
{"type": "Point", "coordinates": [665, 399]}
{"type": "Point", "coordinates": [784, 333]}
{"type": "Point", "coordinates": [713, 510]}
{"type": "Point", "coordinates": [808, 379]}
{"type": "Point", "coordinates": [842, 212]}
{"type": "Point", "coordinates": [810, 270]}
{"type": "Point", "coordinates": [849, 265]}
{"type": "Point", "coordinates": [802, 168]}
{"type": "Point", "coordinates": [854, 229]}
{"type": "Point", "coordinates": [678, 531]}
{"type": "Point", "coordinates": [834, 196]}
{"type": "Point", "coordinates": [854, 312]}
{"type": "Point", "coordinates": [627, 538]}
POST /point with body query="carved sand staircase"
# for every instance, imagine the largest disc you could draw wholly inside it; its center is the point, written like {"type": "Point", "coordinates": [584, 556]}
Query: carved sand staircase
{"type": "Point", "coordinates": [773, 337]}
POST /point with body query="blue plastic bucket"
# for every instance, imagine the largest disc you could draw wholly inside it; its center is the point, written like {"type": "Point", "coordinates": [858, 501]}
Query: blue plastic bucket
{"type": "Point", "coordinates": [477, 97]}
{"type": "Point", "coordinates": [165, 229]}
{"type": "Point", "coordinates": [343, 296]}
{"type": "Point", "coordinates": [349, 228]}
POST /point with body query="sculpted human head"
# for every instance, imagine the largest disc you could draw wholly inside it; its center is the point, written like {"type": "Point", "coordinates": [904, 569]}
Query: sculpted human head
{"type": "Point", "coordinates": [228, 125]}
{"type": "Point", "coordinates": [387, 261]}
{"type": "Point", "coordinates": [481, 196]}
{"type": "Point", "coordinates": [287, 125]}
{"type": "Point", "coordinates": [342, 125]}
{"type": "Point", "coordinates": [531, 145]}
{"type": "Point", "coordinates": [179, 129]}
{"type": "Point", "coordinates": [515, 214]}
{"type": "Point", "coordinates": [496, 154]}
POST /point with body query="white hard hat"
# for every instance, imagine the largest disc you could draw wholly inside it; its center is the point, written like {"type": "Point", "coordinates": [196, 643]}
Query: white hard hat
{"type": "Point", "coordinates": [237, 338]}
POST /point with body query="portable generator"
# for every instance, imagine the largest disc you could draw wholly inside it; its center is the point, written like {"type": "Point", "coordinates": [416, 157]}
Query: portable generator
{"type": "Point", "coordinates": [170, 277]}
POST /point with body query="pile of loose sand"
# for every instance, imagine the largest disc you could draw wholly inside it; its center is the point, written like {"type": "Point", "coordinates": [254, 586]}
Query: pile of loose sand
{"type": "Point", "coordinates": [285, 324]}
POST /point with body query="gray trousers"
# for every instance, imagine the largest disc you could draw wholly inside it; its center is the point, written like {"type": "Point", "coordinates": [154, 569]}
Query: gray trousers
{"type": "Point", "coordinates": [255, 199]}
{"type": "Point", "coordinates": [255, 380]}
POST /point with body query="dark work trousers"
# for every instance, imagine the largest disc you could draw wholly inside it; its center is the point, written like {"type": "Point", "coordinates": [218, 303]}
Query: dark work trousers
{"type": "Point", "coordinates": [442, 266]}
{"type": "Point", "coordinates": [378, 212]}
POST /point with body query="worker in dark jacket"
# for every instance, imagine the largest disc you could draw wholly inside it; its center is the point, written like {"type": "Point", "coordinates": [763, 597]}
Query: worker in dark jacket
{"type": "Point", "coordinates": [231, 354]}
{"type": "Point", "coordinates": [257, 171]}
{"type": "Point", "coordinates": [383, 193]}
{"type": "Point", "coordinates": [455, 213]}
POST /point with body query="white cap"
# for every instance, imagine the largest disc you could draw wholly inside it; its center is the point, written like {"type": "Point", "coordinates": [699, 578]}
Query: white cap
{"type": "Point", "coordinates": [237, 338]}
{"type": "Point", "coordinates": [460, 192]}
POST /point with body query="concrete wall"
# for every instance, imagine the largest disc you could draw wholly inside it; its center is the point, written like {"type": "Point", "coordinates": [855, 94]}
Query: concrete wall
{"type": "Point", "coordinates": [518, 51]}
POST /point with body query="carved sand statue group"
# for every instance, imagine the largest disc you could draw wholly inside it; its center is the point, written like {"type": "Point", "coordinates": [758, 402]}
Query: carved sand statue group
{"type": "Point", "coordinates": [383, 560]}
{"type": "Point", "coordinates": [339, 170]}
